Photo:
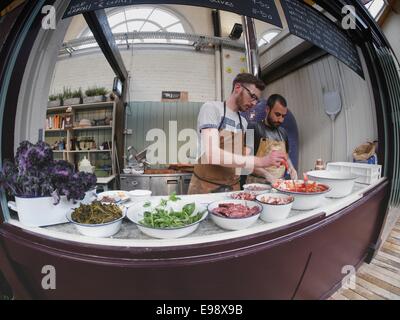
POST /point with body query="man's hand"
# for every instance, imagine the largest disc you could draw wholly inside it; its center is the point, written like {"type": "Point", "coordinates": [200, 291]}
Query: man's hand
{"type": "Point", "coordinates": [275, 158]}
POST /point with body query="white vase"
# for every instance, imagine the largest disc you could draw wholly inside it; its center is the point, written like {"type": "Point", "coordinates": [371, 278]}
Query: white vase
{"type": "Point", "coordinates": [41, 211]}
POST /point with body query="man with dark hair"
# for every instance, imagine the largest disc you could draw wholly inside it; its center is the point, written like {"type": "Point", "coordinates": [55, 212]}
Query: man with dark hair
{"type": "Point", "coordinates": [248, 78]}
{"type": "Point", "coordinates": [269, 136]}
{"type": "Point", "coordinates": [221, 129]}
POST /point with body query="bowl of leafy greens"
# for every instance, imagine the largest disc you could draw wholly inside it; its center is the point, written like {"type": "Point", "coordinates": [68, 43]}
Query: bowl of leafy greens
{"type": "Point", "coordinates": [167, 219]}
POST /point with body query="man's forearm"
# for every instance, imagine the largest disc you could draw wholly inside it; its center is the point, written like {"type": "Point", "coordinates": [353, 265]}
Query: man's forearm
{"type": "Point", "coordinates": [261, 172]}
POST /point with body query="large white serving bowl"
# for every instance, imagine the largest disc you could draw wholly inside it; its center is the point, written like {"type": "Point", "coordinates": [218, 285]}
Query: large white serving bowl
{"type": "Point", "coordinates": [234, 223]}
{"type": "Point", "coordinates": [306, 200]}
{"type": "Point", "coordinates": [136, 213]}
{"type": "Point", "coordinates": [341, 183]}
{"type": "Point", "coordinates": [275, 212]}
{"type": "Point", "coordinates": [101, 230]}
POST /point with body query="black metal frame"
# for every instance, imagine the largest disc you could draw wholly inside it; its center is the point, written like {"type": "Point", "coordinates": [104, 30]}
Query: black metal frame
{"type": "Point", "coordinates": [98, 24]}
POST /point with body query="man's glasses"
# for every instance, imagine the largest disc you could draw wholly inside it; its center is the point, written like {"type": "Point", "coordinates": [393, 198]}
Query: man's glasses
{"type": "Point", "coordinates": [252, 95]}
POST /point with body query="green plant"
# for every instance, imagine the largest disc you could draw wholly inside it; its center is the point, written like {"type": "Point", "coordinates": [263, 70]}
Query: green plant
{"type": "Point", "coordinates": [94, 91]}
{"type": "Point", "coordinates": [67, 93]}
{"type": "Point", "coordinates": [53, 97]}
{"type": "Point", "coordinates": [77, 93]}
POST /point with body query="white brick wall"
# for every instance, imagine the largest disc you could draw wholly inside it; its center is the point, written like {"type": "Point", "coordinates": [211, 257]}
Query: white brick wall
{"type": "Point", "coordinates": [152, 71]}
{"type": "Point", "coordinates": [82, 71]}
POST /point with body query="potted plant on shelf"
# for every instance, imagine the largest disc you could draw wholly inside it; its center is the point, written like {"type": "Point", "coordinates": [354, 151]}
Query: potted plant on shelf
{"type": "Point", "coordinates": [45, 189]}
{"type": "Point", "coordinates": [55, 100]}
{"type": "Point", "coordinates": [95, 95]}
{"type": "Point", "coordinates": [72, 97]}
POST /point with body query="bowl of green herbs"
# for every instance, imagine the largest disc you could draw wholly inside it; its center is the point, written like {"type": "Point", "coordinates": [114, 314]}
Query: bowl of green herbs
{"type": "Point", "coordinates": [167, 219]}
{"type": "Point", "coordinates": [97, 219]}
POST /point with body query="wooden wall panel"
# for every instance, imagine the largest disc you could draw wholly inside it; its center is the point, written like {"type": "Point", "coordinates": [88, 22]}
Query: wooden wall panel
{"type": "Point", "coordinates": [144, 116]}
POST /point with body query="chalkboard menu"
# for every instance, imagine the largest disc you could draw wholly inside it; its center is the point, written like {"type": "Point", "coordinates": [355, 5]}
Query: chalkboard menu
{"type": "Point", "coordinates": [264, 10]}
{"type": "Point", "coordinates": [311, 25]}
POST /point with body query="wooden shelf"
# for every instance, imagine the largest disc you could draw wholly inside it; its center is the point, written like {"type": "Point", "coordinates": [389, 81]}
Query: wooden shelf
{"type": "Point", "coordinates": [83, 106]}
{"type": "Point", "coordinates": [55, 130]}
{"type": "Point", "coordinates": [101, 133]}
{"type": "Point", "coordinates": [92, 128]}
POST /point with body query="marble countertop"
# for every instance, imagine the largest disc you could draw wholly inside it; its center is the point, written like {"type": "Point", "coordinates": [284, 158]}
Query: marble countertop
{"type": "Point", "coordinates": [131, 236]}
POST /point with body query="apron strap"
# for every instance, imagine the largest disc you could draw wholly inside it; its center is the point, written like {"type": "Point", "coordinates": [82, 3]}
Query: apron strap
{"type": "Point", "coordinates": [223, 118]}
{"type": "Point", "coordinates": [240, 120]}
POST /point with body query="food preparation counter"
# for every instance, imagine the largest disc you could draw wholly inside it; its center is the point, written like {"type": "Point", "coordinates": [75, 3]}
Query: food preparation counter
{"type": "Point", "coordinates": [301, 257]}
{"type": "Point", "coordinates": [131, 236]}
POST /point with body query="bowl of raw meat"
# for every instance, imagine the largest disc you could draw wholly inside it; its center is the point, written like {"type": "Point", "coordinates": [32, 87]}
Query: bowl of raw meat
{"type": "Point", "coordinates": [243, 195]}
{"type": "Point", "coordinates": [256, 188]}
{"type": "Point", "coordinates": [234, 214]}
{"type": "Point", "coordinates": [276, 206]}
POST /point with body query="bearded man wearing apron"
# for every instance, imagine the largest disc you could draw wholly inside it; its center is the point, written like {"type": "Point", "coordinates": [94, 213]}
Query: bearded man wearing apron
{"type": "Point", "coordinates": [222, 151]}
{"type": "Point", "coordinates": [269, 137]}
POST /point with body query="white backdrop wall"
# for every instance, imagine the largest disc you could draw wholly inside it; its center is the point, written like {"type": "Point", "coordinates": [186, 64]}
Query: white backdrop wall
{"type": "Point", "coordinates": [355, 125]}
{"type": "Point", "coordinates": [233, 62]}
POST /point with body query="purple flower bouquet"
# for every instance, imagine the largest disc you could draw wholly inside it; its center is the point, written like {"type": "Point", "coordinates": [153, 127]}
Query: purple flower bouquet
{"type": "Point", "coordinates": [35, 177]}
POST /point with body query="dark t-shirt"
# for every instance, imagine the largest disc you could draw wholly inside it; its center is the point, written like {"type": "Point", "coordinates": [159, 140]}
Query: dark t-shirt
{"type": "Point", "coordinates": [261, 130]}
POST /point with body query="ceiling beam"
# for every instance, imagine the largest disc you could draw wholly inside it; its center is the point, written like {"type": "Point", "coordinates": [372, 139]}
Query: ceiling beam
{"type": "Point", "coordinates": [98, 24]}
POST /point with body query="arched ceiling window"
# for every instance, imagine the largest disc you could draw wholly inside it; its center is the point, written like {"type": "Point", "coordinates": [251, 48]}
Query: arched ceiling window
{"type": "Point", "coordinates": [267, 37]}
{"type": "Point", "coordinates": [143, 19]}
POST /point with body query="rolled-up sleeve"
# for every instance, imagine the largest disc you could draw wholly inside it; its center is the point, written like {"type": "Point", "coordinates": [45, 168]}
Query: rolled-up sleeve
{"type": "Point", "coordinates": [209, 117]}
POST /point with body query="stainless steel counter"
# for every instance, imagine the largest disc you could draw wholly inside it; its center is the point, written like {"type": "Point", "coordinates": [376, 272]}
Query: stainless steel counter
{"type": "Point", "coordinates": [159, 184]}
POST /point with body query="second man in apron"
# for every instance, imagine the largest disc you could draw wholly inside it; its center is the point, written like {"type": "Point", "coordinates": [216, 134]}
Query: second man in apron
{"type": "Point", "coordinates": [269, 136]}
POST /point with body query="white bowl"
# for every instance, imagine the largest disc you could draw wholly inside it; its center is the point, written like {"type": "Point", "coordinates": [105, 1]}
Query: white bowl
{"type": "Point", "coordinates": [136, 213]}
{"type": "Point", "coordinates": [234, 223]}
{"type": "Point", "coordinates": [139, 195]}
{"type": "Point", "coordinates": [119, 196]}
{"type": "Point", "coordinates": [102, 230]}
{"type": "Point", "coordinates": [127, 170]}
{"type": "Point", "coordinates": [306, 200]}
{"type": "Point", "coordinates": [275, 212]}
{"type": "Point", "coordinates": [341, 183]}
{"type": "Point", "coordinates": [265, 188]}
{"type": "Point", "coordinates": [233, 194]}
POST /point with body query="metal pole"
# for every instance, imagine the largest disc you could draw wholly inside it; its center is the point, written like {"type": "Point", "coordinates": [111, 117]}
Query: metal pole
{"type": "Point", "coordinates": [250, 40]}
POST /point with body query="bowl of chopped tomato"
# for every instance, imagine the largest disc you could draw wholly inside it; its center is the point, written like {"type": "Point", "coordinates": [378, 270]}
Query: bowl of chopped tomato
{"type": "Point", "coordinates": [307, 195]}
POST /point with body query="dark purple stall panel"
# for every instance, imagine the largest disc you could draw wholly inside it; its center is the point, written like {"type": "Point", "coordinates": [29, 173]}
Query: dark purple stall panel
{"type": "Point", "coordinates": [345, 240]}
